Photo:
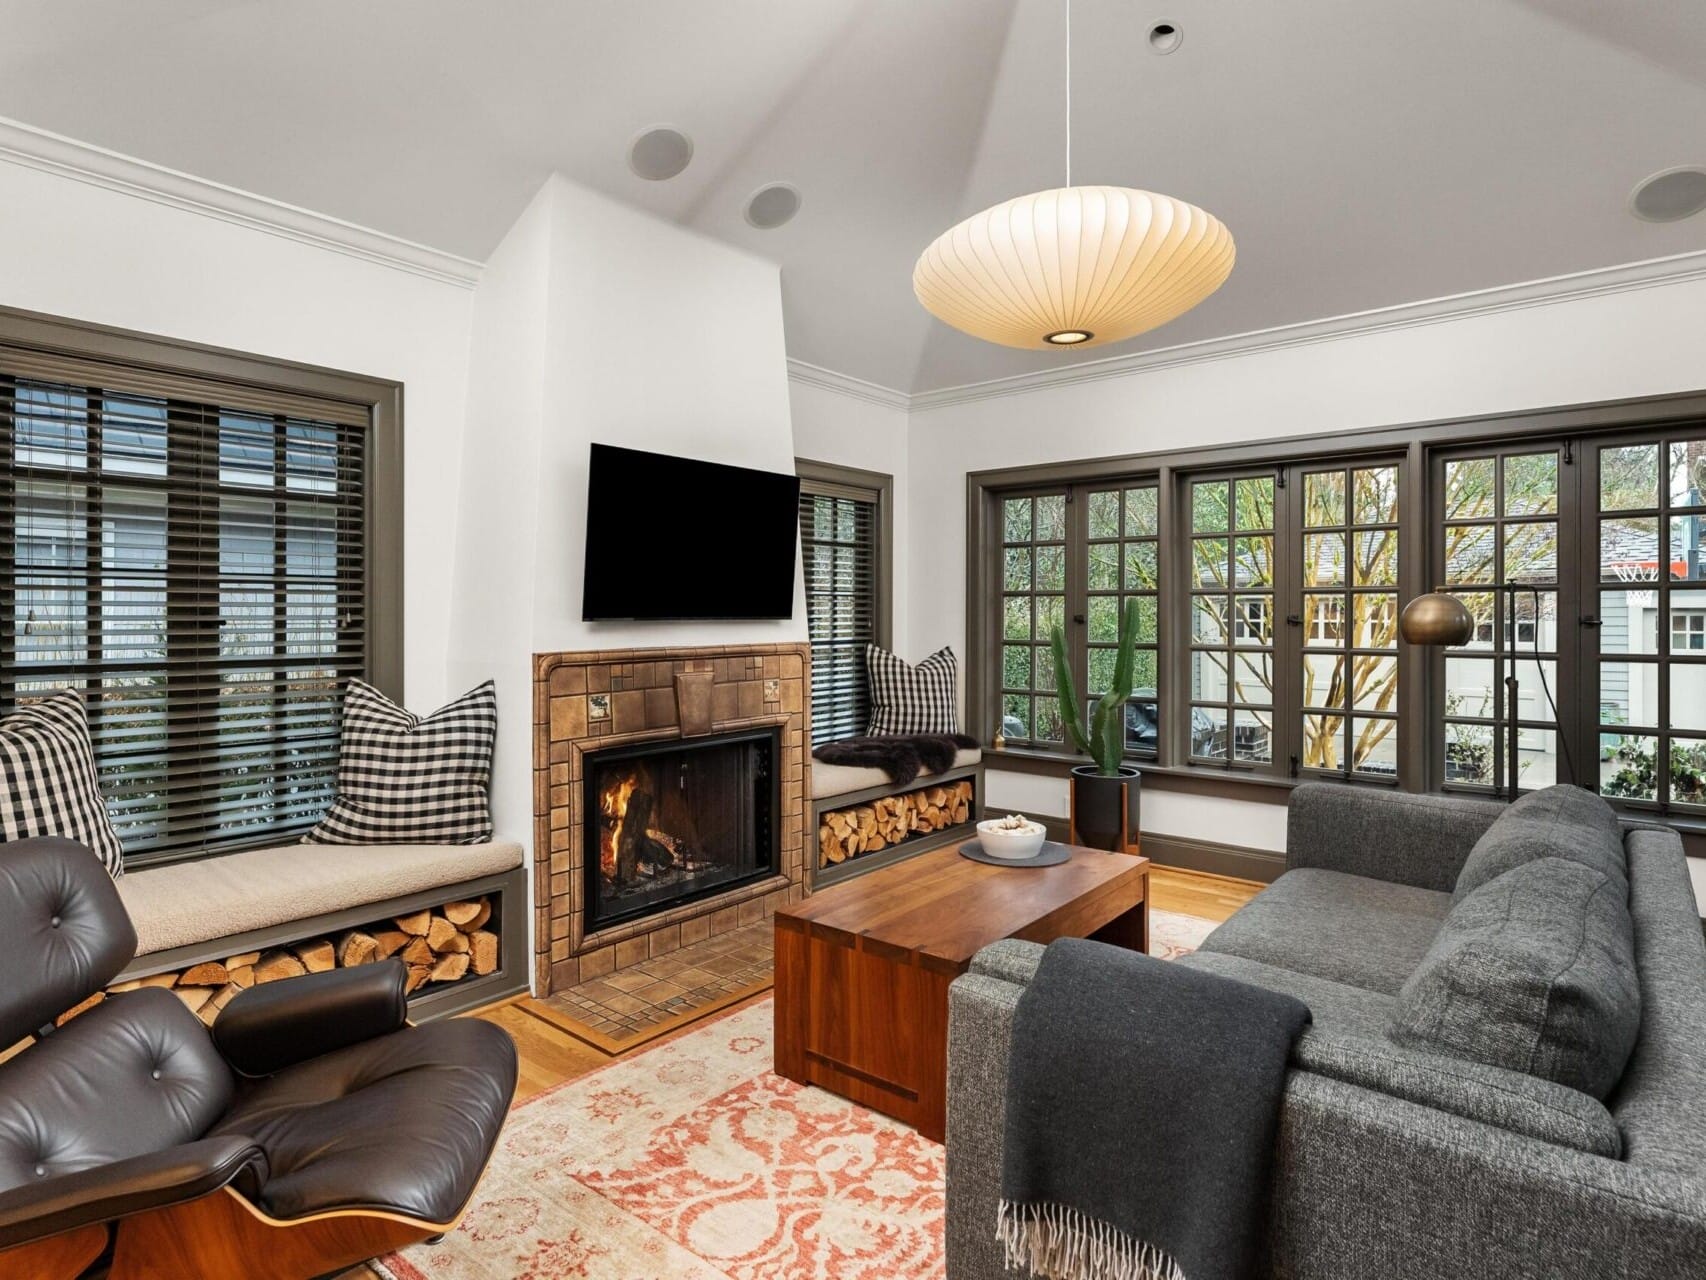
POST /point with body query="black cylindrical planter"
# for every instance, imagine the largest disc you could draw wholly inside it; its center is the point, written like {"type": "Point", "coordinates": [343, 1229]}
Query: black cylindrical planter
{"type": "Point", "coordinates": [1096, 806]}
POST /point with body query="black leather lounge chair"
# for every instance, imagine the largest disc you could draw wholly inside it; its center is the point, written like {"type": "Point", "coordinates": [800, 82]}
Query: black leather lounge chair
{"type": "Point", "coordinates": [311, 1129]}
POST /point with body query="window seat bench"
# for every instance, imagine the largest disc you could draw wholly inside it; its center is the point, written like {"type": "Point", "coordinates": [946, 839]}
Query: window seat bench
{"type": "Point", "coordinates": [857, 820]}
{"type": "Point", "coordinates": [288, 902]}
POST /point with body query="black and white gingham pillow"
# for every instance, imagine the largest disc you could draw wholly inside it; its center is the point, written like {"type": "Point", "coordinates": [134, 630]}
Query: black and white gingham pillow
{"type": "Point", "coordinates": [48, 771]}
{"type": "Point", "coordinates": [909, 699]}
{"type": "Point", "coordinates": [408, 779]}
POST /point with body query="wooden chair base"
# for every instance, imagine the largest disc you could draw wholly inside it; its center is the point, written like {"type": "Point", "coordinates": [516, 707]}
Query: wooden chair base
{"type": "Point", "coordinates": [223, 1235]}
{"type": "Point", "coordinates": [60, 1257]}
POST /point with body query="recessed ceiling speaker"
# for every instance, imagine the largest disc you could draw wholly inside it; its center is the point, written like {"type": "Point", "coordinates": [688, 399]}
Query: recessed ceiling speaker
{"type": "Point", "coordinates": [771, 206]}
{"type": "Point", "coordinates": [659, 154]}
{"type": "Point", "coordinates": [1670, 196]}
{"type": "Point", "coordinates": [1164, 37]}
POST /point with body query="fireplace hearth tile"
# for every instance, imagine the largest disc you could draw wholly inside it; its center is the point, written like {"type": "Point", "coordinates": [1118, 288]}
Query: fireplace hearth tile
{"type": "Point", "coordinates": [634, 689]}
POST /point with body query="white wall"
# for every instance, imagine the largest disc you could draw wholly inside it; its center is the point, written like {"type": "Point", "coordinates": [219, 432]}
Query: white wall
{"type": "Point", "coordinates": [596, 322]}
{"type": "Point", "coordinates": [88, 252]}
{"type": "Point", "coordinates": [1644, 341]}
{"type": "Point", "coordinates": [831, 426]}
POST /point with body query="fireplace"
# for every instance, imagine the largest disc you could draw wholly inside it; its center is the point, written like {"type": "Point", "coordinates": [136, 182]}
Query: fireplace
{"type": "Point", "coordinates": [670, 822]}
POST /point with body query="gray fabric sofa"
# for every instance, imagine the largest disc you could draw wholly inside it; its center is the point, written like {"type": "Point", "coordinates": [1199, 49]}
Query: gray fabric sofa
{"type": "Point", "coordinates": [1395, 1162]}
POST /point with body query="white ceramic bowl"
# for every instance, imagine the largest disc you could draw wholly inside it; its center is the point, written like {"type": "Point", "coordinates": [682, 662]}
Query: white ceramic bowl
{"type": "Point", "coordinates": [1000, 843]}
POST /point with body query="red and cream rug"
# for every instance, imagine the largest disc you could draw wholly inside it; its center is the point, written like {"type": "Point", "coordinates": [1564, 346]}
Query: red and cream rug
{"type": "Point", "coordinates": [691, 1160]}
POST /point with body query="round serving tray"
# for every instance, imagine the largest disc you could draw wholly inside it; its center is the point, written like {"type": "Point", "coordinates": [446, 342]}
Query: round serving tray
{"type": "Point", "coordinates": [1052, 854]}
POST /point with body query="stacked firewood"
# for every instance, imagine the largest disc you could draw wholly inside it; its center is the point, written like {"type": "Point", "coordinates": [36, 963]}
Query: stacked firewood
{"type": "Point", "coordinates": [866, 828]}
{"type": "Point", "coordinates": [444, 944]}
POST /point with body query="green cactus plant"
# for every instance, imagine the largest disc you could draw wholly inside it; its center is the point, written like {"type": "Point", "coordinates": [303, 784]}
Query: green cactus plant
{"type": "Point", "coordinates": [1104, 741]}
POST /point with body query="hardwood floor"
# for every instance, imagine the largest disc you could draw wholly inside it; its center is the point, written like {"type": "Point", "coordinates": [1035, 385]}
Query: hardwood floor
{"type": "Point", "coordinates": [1192, 893]}
{"type": "Point", "coordinates": [550, 1055]}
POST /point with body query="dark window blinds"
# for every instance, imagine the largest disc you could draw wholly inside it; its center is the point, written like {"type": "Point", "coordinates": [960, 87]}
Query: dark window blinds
{"type": "Point", "coordinates": [191, 556]}
{"type": "Point", "coordinates": [838, 543]}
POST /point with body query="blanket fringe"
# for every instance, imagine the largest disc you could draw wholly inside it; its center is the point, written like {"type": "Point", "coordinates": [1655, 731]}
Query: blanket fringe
{"type": "Point", "coordinates": [1060, 1243]}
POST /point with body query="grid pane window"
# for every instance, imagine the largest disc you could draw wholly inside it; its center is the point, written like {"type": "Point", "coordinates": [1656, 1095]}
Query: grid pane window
{"type": "Point", "coordinates": [198, 573]}
{"type": "Point", "coordinates": [839, 547]}
{"type": "Point", "coordinates": [1033, 603]}
{"type": "Point", "coordinates": [1500, 556]}
{"type": "Point", "coordinates": [1350, 620]}
{"type": "Point", "coordinates": [1231, 675]}
{"type": "Point", "coordinates": [1651, 575]}
{"type": "Point", "coordinates": [1123, 563]}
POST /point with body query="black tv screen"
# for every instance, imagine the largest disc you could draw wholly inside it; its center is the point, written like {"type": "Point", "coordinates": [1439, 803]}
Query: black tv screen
{"type": "Point", "coordinates": [673, 538]}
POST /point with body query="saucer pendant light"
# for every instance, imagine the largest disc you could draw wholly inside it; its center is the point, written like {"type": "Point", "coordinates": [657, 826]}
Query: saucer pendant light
{"type": "Point", "coordinates": [1075, 266]}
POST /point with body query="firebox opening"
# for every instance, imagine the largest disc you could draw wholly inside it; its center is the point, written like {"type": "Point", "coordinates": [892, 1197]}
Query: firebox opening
{"type": "Point", "coordinates": [669, 822]}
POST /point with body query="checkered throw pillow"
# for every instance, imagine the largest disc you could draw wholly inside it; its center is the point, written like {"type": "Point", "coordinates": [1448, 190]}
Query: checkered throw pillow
{"type": "Point", "coordinates": [408, 779]}
{"type": "Point", "coordinates": [909, 699]}
{"type": "Point", "coordinates": [48, 771]}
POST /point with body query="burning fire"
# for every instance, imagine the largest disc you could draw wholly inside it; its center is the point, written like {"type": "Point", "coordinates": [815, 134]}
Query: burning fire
{"type": "Point", "coordinates": [613, 804]}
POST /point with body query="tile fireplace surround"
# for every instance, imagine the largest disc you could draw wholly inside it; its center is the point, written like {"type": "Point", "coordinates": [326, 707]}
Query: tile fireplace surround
{"type": "Point", "coordinates": [584, 702]}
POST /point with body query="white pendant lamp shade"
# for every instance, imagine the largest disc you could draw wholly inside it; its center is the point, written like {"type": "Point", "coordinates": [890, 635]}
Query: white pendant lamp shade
{"type": "Point", "coordinates": [1076, 266]}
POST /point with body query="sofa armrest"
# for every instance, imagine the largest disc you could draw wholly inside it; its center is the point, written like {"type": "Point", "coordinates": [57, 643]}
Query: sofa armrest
{"type": "Point", "coordinates": [1419, 840]}
{"type": "Point", "coordinates": [49, 1206]}
{"type": "Point", "coordinates": [1010, 960]}
{"type": "Point", "coordinates": [980, 1034]}
{"type": "Point", "coordinates": [271, 1027]}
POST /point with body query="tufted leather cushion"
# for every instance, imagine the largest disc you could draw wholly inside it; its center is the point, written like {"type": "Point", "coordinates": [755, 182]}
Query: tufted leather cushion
{"type": "Point", "coordinates": [64, 933]}
{"type": "Point", "coordinates": [135, 1074]}
{"type": "Point", "coordinates": [403, 1123]}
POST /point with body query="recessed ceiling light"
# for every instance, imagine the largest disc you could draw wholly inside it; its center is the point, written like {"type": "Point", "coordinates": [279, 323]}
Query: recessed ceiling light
{"type": "Point", "coordinates": [1670, 195]}
{"type": "Point", "coordinates": [660, 153]}
{"type": "Point", "coordinates": [1069, 337]}
{"type": "Point", "coordinates": [771, 206]}
{"type": "Point", "coordinates": [1164, 37]}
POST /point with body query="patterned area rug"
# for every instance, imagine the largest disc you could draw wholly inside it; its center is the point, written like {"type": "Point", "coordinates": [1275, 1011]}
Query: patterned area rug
{"type": "Point", "coordinates": [691, 1160]}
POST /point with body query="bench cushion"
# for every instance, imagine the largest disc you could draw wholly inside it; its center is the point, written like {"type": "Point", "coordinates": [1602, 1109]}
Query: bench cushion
{"type": "Point", "coordinates": [191, 902]}
{"type": "Point", "coordinates": [840, 779]}
{"type": "Point", "coordinates": [1330, 924]}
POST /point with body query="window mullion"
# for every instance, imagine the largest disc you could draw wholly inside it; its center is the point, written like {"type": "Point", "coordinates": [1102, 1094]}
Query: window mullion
{"type": "Point", "coordinates": [1173, 607]}
{"type": "Point", "coordinates": [1077, 626]}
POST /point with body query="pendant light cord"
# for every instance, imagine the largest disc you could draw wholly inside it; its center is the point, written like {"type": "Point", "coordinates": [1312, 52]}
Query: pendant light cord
{"type": "Point", "coordinates": [1069, 92]}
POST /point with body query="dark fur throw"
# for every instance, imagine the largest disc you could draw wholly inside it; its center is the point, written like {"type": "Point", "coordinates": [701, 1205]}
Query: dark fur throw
{"type": "Point", "coordinates": [902, 756]}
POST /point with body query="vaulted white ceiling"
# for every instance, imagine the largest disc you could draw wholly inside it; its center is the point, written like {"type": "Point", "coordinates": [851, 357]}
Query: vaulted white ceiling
{"type": "Point", "coordinates": [1364, 153]}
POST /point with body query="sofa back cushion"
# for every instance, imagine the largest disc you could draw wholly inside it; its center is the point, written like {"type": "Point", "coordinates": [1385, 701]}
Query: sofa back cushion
{"type": "Point", "coordinates": [1533, 972]}
{"type": "Point", "coordinates": [1559, 822]}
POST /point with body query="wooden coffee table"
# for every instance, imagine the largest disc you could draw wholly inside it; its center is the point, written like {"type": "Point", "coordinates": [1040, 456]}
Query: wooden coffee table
{"type": "Point", "coordinates": [862, 969]}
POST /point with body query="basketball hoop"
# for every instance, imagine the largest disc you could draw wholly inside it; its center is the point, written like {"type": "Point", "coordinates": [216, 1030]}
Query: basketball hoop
{"type": "Point", "coordinates": [1635, 572]}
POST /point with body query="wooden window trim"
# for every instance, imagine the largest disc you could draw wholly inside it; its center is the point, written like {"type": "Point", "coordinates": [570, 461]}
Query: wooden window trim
{"type": "Point", "coordinates": [1416, 443]}
{"type": "Point", "coordinates": [834, 478]}
{"type": "Point", "coordinates": [246, 378]}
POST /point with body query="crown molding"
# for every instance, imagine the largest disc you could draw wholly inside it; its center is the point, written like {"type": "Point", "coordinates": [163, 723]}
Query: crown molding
{"type": "Point", "coordinates": [844, 384]}
{"type": "Point", "coordinates": [1535, 293]}
{"type": "Point", "coordinates": [34, 148]}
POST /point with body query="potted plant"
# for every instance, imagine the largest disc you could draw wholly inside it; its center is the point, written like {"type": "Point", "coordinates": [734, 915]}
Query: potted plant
{"type": "Point", "coordinates": [1099, 790]}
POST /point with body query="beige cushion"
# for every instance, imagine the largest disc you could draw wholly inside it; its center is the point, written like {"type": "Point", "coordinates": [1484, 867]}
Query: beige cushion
{"type": "Point", "coordinates": [190, 902]}
{"type": "Point", "coordinates": [839, 779]}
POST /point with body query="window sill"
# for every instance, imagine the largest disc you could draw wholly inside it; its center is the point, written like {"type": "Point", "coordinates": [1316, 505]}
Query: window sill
{"type": "Point", "coordinates": [1206, 778]}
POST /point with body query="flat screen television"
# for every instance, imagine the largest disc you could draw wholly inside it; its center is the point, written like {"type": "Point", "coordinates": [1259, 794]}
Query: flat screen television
{"type": "Point", "coordinates": [673, 539]}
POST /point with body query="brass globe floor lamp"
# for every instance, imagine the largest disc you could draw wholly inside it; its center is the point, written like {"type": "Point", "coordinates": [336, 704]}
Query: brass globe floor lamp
{"type": "Point", "coordinates": [1439, 620]}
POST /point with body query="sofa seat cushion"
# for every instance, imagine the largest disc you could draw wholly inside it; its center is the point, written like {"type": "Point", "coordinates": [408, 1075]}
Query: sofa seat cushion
{"type": "Point", "coordinates": [841, 779]}
{"type": "Point", "coordinates": [1506, 1099]}
{"type": "Point", "coordinates": [1559, 822]}
{"type": "Point", "coordinates": [1346, 928]}
{"type": "Point", "coordinates": [191, 902]}
{"type": "Point", "coordinates": [1534, 972]}
{"type": "Point", "coordinates": [333, 1127]}
{"type": "Point", "coordinates": [1337, 1006]}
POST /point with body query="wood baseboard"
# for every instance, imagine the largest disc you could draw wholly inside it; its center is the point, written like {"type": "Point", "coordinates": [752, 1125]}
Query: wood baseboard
{"type": "Point", "coordinates": [1207, 857]}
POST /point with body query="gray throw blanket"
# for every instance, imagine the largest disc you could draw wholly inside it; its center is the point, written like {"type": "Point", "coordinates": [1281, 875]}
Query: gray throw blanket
{"type": "Point", "coordinates": [1142, 1102]}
